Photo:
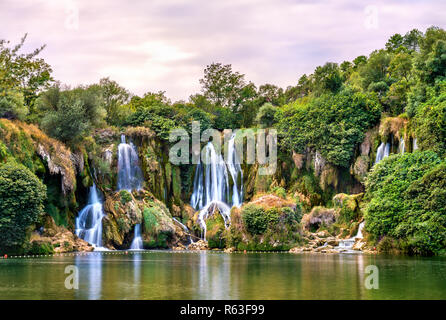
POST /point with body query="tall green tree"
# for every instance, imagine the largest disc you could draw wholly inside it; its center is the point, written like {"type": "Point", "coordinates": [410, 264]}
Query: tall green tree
{"type": "Point", "coordinates": [22, 73]}
{"type": "Point", "coordinates": [221, 85]}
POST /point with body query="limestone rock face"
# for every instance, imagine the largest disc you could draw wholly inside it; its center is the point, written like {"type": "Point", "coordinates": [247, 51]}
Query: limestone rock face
{"type": "Point", "coordinates": [60, 238]}
{"type": "Point", "coordinates": [360, 168]}
{"type": "Point", "coordinates": [317, 217]}
{"type": "Point", "coordinates": [124, 210]}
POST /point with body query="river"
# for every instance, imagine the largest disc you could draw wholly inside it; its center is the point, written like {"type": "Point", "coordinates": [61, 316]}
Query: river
{"type": "Point", "coordinates": [217, 275]}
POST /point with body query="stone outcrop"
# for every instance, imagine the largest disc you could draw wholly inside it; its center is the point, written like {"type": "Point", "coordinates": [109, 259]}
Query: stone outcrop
{"type": "Point", "coordinates": [198, 245]}
{"type": "Point", "coordinates": [317, 217]}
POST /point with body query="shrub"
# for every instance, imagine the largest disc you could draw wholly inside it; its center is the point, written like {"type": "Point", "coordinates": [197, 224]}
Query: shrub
{"type": "Point", "coordinates": [266, 114]}
{"type": "Point", "coordinates": [125, 196]}
{"type": "Point", "coordinates": [22, 197]}
{"type": "Point", "coordinates": [280, 192]}
{"type": "Point", "coordinates": [406, 201]}
{"type": "Point", "coordinates": [254, 218]}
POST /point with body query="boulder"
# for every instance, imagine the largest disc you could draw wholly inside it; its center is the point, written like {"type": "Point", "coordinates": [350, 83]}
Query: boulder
{"type": "Point", "coordinates": [199, 245]}
{"type": "Point", "coordinates": [317, 217]}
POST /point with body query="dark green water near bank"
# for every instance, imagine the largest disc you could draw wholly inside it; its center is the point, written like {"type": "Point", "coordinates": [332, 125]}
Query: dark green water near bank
{"type": "Point", "coordinates": [215, 275]}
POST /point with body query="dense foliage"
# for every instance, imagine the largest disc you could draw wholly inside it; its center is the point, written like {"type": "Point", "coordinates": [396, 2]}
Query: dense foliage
{"type": "Point", "coordinates": [333, 124]}
{"type": "Point", "coordinates": [22, 197]}
{"type": "Point", "coordinates": [407, 201]}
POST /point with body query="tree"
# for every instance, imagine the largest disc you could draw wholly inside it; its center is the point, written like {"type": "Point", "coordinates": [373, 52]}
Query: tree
{"type": "Point", "coordinates": [328, 78]}
{"type": "Point", "coordinates": [265, 116]}
{"type": "Point", "coordinates": [412, 39]}
{"type": "Point", "coordinates": [431, 122]}
{"type": "Point", "coordinates": [12, 105]}
{"type": "Point", "coordinates": [221, 85]}
{"type": "Point", "coordinates": [22, 197]}
{"type": "Point", "coordinates": [271, 93]}
{"type": "Point", "coordinates": [69, 115]}
{"type": "Point", "coordinates": [433, 67]}
{"type": "Point", "coordinates": [375, 70]}
{"type": "Point", "coordinates": [333, 124]}
{"type": "Point", "coordinates": [394, 42]}
{"type": "Point", "coordinates": [23, 73]}
{"type": "Point", "coordinates": [113, 96]}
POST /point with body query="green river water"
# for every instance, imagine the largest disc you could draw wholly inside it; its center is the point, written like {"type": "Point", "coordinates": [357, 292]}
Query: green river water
{"type": "Point", "coordinates": [217, 275]}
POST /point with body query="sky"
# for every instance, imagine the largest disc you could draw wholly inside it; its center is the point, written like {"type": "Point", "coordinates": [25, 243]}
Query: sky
{"type": "Point", "coordinates": [164, 45]}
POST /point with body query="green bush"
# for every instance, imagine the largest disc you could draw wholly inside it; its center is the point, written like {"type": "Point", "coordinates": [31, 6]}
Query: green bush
{"type": "Point", "coordinates": [280, 192]}
{"type": "Point", "coordinates": [125, 196]}
{"type": "Point", "coordinates": [22, 197]}
{"type": "Point", "coordinates": [254, 219]}
{"type": "Point", "coordinates": [291, 216]}
{"type": "Point", "coordinates": [41, 248]}
{"type": "Point", "coordinates": [406, 197]}
{"type": "Point", "coordinates": [257, 220]}
{"type": "Point", "coordinates": [265, 116]}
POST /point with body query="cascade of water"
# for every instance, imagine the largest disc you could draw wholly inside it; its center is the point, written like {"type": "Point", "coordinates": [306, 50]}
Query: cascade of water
{"type": "Point", "coordinates": [382, 151]}
{"type": "Point", "coordinates": [186, 229]}
{"type": "Point", "coordinates": [130, 178]}
{"type": "Point", "coordinates": [415, 145]}
{"type": "Point", "coordinates": [348, 243]}
{"type": "Point", "coordinates": [129, 172]}
{"type": "Point", "coordinates": [235, 170]}
{"type": "Point", "coordinates": [402, 146]}
{"type": "Point", "coordinates": [137, 239]}
{"type": "Point", "coordinates": [211, 184]}
{"type": "Point", "coordinates": [89, 220]}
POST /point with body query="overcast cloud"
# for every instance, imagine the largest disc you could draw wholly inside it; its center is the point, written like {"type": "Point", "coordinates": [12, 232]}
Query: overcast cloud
{"type": "Point", "coordinates": [165, 45]}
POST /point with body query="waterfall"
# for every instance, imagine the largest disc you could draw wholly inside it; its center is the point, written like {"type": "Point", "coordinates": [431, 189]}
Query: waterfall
{"type": "Point", "coordinates": [382, 152]}
{"type": "Point", "coordinates": [402, 146]}
{"type": "Point", "coordinates": [235, 169]}
{"type": "Point", "coordinates": [211, 184]}
{"type": "Point", "coordinates": [348, 243]}
{"type": "Point", "coordinates": [415, 145]}
{"type": "Point", "coordinates": [185, 229]}
{"type": "Point", "coordinates": [130, 178]}
{"type": "Point", "coordinates": [137, 239]}
{"type": "Point", "coordinates": [89, 220]}
{"type": "Point", "coordinates": [129, 172]}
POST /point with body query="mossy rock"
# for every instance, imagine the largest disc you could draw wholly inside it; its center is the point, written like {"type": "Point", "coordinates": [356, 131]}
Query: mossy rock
{"type": "Point", "coordinates": [347, 207]}
{"type": "Point", "coordinates": [40, 247]}
{"type": "Point", "coordinates": [215, 227]}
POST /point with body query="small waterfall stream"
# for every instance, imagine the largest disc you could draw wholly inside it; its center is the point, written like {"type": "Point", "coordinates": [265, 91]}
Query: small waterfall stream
{"type": "Point", "coordinates": [402, 146]}
{"type": "Point", "coordinates": [347, 244]}
{"type": "Point", "coordinates": [129, 173]}
{"type": "Point", "coordinates": [211, 184]}
{"type": "Point", "coordinates": [130, 178]}
{"type": "Point", "coordinates": [382, 151]}
{"type": "Point", "coordinates": [89, 220]}
{"type": "Point", "coordinates": [137, 239]}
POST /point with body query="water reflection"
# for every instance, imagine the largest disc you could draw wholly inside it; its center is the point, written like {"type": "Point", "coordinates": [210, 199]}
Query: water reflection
{"type": "Point", "coordinates": [137, 259]}
{"type": "Point", "coordinates": [90, 275]}
{"type": "Point", "coordinates": [216, 278]}
{"type": "Point", "coordinates": [211, 275]}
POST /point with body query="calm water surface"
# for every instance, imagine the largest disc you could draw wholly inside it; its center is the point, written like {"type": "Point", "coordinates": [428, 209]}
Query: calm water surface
{"type": "Point", "coordinates": [215, 275]}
